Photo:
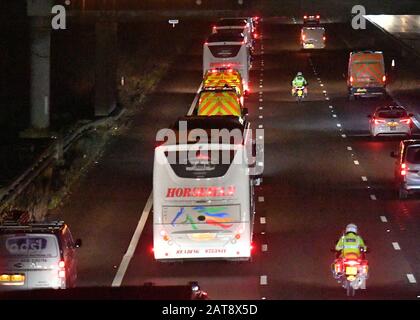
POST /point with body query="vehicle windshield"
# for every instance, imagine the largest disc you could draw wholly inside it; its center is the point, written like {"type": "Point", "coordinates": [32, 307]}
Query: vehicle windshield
{"type": "Point", "coordinates": [413, 154]}
{"type": "Point", "coordinates": [28, 245]}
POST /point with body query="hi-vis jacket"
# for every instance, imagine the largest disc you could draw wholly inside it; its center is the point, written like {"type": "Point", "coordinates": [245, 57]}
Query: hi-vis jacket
{"type": "Point", "coordinates": [350, 243]}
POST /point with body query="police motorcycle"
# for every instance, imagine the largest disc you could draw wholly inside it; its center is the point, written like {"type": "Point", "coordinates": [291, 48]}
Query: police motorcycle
{"type": "Point", "coordinates": [351, 271]}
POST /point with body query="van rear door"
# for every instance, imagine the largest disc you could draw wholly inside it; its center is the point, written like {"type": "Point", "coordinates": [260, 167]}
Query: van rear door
{"type": "Point", "coordinates": [367, 70]}
{"type": "Point", "coordinates": [29, 261]}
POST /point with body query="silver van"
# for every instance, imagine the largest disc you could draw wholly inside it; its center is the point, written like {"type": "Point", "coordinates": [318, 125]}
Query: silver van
{"type": "Point", "coordinates": [407, 167]}
{"type": "Point", "coordinates": [37, 255]}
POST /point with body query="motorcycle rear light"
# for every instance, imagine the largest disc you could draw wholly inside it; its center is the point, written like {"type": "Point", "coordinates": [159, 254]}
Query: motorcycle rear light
{"type": "Point", "coordinates": [351, 79]}
{"type": "Point", "coordinates": [324, 38]}
{"type": "Point", "coordinates": [338, 268]}
{"type": "Point", "coordinates": [384, 79]}
{"type": "Point", "coordinates": [351, 262]}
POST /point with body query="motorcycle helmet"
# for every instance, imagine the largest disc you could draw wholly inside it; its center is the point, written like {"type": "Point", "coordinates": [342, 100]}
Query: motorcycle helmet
{"type": "Point", "coordinates": [351, 228]}
{"type": "Point", "coordinates": [299, 74]}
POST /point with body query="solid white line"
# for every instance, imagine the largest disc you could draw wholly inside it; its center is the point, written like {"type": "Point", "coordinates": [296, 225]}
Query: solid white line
{"type": "Point", "coordinates": [383, 219]}
{"type": "Point", "coordinates": [356, 162]}
{"type": "Point", "coordinates": [262, 220]}
{"type": "Point", "coordinates": [133, 243]}
{"type": "Point", "coordinates": [411, 278]}
{"type": "Point", "coordinates": [260, 199]}
{"type": "Point", "coordinates": [263, 280]}
{"type": "Point", "coordinates": [373, 197]}
{"type": "Point", "coordinates": [396, 246]}
{"type": "Point", "coordinates": [364, 178]}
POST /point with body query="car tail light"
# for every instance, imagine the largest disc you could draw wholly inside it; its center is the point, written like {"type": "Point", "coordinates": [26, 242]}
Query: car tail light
{"type": "Point", "coordinates": [405, 121]}
{"type": "Point", "coordinates": [384, 78]}
{"type": "Point", "coordinates": [305, 17]}
{"type": "Point", "coordinates": [351, 79]}
{"type": "Point", "coordinates": [324, 38]}
{"type": "Point", "coordinates": [403, 169]}
{"type": "Point", "coordinates": [379, 121]}
{"type": "Point", "coordinates": [318, 16]}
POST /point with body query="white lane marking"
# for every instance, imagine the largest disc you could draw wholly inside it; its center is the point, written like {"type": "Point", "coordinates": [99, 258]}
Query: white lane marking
{"type": "Point", "coordinates": [373, 197]}
{"type": "Point", "coordinates": [260, 199]}
{"type": "Point", "coordinates": [334, 116]}
{"type": "Point", "coordinates": [411, 278]}
{"type": "Point", "coordinates": [261, 93]}
{"type": "Point", "coordinates": [356, 162]}
{"type": "Point", "coordinates": [261, 100]}
{"type": "Point", "coordinates": [327, 98]}
{"type": "Point", "coordinates": [321, 84]}
{"type": "Point", "coordinates": [263, 280]}
{"type": "Point", "coordinates": [330, 107]}
{"type": "Point", "coordinates": [364, 178]}
{"type": "Point", "coordinates": [264, 298]}
{"type": "Point", "coordinates": [122, 269]}
{"type": "Point", "coordinates": [133, 243]}
{"type": "Point", "coordinates": [262, 220]}
{"type": "Point", "coordinates": [396, 246]}
{"type": "Point", "coordinates": [260, 117]}
{"type": "Point", "coordinates": [318, 79]}
{"type": "Point", "coordinates": [262, 232]}
{"type": "Point", "coordinates": [349, 148]}
{"type": "Point", "coordinates": [339, 125]}
{"type": "Point", "coordinates": [261, 108]}
{"type": "Point", "coordinates": [343, 136]}
{"type": "Point", "coordinates": [261, 86]}
{"type": "Point", "coordinates": [383, 219]}
{"type": "Point", "coordinates": [260, 126]}
{"type": "Point", "coordinates": [324, 91]}
{"type": "Point", "coordinates": [264, 248]}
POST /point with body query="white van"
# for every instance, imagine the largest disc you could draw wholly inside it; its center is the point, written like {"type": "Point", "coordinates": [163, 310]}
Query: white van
{"type": "Point", "coordinates": [313, 37]}
{"type": "Point", "coordinates": [37, 255]}
{"type": "Point", "coordinates": [228, 51]}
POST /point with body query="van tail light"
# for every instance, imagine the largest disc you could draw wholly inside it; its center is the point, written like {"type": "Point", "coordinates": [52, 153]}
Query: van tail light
{"type": "Point", "coordinates": [405, 121]}
{"type": "Point", "coordinates": [384, 78]}
{"type": "Point", "coordinates": [379, 121]}
{"type": "Point", "coordinates": [403, 169]}
{"type": "Point", "coordinates": [61, 269]}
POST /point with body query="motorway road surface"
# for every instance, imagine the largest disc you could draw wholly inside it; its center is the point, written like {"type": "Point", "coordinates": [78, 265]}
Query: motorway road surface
{"type": "Point", "coordinates": [322, 171]}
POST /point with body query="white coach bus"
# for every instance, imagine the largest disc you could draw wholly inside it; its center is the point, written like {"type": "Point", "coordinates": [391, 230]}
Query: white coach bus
{"type": "Point", "coordinates": [227, 50]}
{"type": "Point", "coordinates": [203, 207]}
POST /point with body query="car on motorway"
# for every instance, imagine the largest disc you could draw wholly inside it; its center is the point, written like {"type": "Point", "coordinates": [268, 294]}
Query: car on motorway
{"type": "Point", "coordinates": [390, 120]}
{"type": "Point", "coordinates": [311, 19]}
{"type": "Point", "coordinates": [407, 167]}
{"type": "Point", "coordinates": [366, 74]}
{"type": "Point", "coordinates": [37, 255]}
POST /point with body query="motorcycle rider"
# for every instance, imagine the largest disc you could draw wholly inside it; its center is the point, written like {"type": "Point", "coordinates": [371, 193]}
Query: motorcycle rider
{"type": "Point", "coordinates": [299, 81]}
{"type": "Point", "coordinates": [350, 242]}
